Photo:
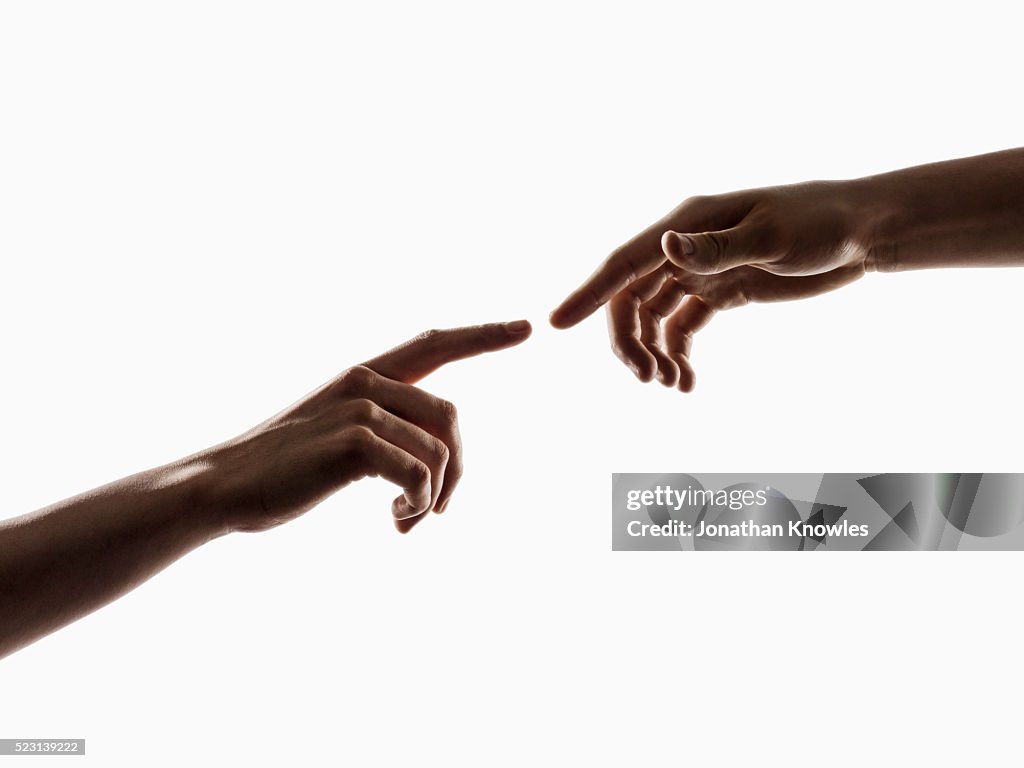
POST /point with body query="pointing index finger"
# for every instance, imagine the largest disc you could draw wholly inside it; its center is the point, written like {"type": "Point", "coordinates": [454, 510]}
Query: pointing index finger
{"type": "Point", "coordinates": [643, 254]}
{"type": "Point", "coordinates": [421, 356]}
{"type": "Point", "coordinates": [630, 262]}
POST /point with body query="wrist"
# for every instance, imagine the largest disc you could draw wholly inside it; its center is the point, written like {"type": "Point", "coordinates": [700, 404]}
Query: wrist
{"type": "Point", "coordinates": [880, 222]}
{"type": "Point", "coordinates": [198, 490]}
{"type": "Point", "coordinates": [242, 485]}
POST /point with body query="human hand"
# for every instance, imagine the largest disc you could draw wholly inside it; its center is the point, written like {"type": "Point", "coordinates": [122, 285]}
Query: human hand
{"type": "Point", "coordinates": [369, 421]}
{"type": "Point", "coordinates": [719, 252]}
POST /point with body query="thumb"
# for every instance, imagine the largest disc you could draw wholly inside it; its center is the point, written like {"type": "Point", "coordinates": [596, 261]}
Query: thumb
{"type": "Point", "coordinates": [709, 253]}
{"type": "Point", "coordinates": [418, 357]}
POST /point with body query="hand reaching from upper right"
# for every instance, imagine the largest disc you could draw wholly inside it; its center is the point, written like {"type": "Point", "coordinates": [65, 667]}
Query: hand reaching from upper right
{"type": "Point", "coordinates": [714, 253]}
{"type": "Point", "coordinates": [791, 242]}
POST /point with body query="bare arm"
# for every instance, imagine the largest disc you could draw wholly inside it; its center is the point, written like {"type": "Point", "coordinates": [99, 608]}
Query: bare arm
{"type": "Point", "coordinates": [959, 213]}
{"type": "Point", "coordinates": [72, 557]}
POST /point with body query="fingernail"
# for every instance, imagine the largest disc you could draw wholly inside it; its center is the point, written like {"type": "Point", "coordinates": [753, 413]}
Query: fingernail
{"type": "Point", "coordinates": [444, 506]}
{"type": "Point", "coordinates": [686, 243]}
{"type": "Point", "coordinates": [518, 326]}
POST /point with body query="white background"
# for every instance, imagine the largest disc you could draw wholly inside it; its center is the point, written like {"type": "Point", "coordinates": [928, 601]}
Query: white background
{"type": "Point", "coordinates": [209, 208]}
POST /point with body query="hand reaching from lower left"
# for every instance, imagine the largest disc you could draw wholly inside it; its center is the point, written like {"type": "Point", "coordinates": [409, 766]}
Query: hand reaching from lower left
{"type": "Point", "coordinates": [369, 421]}
{"type": "Point", "coordinates": [72, 557]}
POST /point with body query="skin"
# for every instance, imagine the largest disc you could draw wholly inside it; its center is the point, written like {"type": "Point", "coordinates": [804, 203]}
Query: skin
{"type": "Point", "coordinates": [63, 562]}
{"type": "Point", "coordinates": [792, 242]}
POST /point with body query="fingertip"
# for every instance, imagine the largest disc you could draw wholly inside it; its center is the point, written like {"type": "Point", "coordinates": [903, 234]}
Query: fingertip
{"type": "Point", "coordinates": [494, 337]}
{"type": "Point", "coordinates": [667, 376]}
{"type": "Point", "coordinates": [560, 318]}
{"type": "Point", "coordinates": [577, 307]}
{"type": "Point", "coordinates": [687, 379]}
{"type": "Point", "coordinates": [519, 330]}
{"type": "Point", "coordinates": [668, 371]}
{"type": "Point", "coordinates": [636, 357]}
{"type": "Point", "coordinates": [672, 247]}
{"type": "Point", "coordinates": [406, 525]}
{"type": "Point", "coordinates": [659, 375]}
{"type": "Point", "coordinates": [682, 250]}
{"type": "Point", "coordinates": [402, 509]}
{"type": "Point", "coordinates": [645, 371]}
{"type": "Point", "coordinates": [679, 249]}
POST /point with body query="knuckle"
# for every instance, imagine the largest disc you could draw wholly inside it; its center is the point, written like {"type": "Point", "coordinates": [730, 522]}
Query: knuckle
{"type": "Point", "coordinates": [619, 350]}
{"type": "Point", "coordinates": [356, 379]}
{"type": "Point", "coordinates": [717, 244]}
{"type": "Point", "coordinates": [631, 266]}
{"type": "Point", "coordinates": [624, 255]}
{"type": "Point", "coordinates": [650, 315]}
{"type": "Point", "coordinates": [364, 411]}
{"type": "Point", "coordinates": [453, 444]}
{"type": "Point", "coordinates": [449, 413]}
{"type": "Point", "coordinates": [440, 450]}
{"type": "Point", "coordinates": [430, 336]}
{"type": "Point", "coordinates": [420, 474]}
{"type": "Point", "coordinates": [360, 438]}
{"type": "Point", "coordinates": [455, 469]}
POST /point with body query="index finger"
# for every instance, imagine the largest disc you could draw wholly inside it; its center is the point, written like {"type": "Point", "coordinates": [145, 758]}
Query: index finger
{"type": "Point", "coordinates": [643, 254]}
{"type": "Point", "coordinates": [637, 258]}
{"type": "Point", "coordinates": [421, 356]}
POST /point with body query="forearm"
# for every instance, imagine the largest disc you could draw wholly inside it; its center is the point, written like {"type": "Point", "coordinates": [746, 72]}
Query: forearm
{"type": "Point", "coordinates": [959, 213]}
{"type": "Point", "coordinates": [64, 561]}
{"type": "Point", "coordinates": [73, 557]}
